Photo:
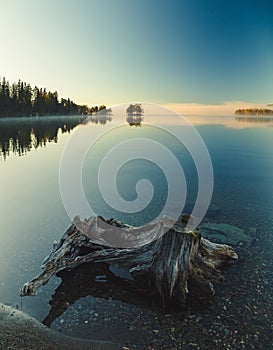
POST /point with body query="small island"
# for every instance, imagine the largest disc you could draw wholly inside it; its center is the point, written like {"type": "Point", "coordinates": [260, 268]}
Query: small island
{"type": "Point", "coordinates": [134, 114]}
{"type": "Point", "coordinates": [254, 111]}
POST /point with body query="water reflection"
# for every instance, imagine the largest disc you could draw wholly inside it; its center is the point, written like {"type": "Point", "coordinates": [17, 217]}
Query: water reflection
{"type": "Point", "coordinates": [231, 122]}
{"type": "Point", "coordinates": [255, 119]}
{"type": "Point", "coordinates": [99, 118]}
{"type": "Point", "coordinates": [134, 120]}
{"type": "Point", "coordinates": [20, 135]}
{"type": "Point", "coordinates": [98, 281]}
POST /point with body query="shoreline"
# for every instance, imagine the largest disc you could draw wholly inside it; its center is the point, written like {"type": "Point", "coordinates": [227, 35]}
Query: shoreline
{"type": "Point", "coordinates": [20, 331]}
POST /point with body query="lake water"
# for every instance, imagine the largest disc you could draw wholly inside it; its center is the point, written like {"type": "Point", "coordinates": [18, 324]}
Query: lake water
{"type": "Point", "coordinates": [33, 216]}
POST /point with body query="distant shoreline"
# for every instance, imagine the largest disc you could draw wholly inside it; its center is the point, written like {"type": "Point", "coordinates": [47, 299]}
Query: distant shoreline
{"type": "Point", "coordinates": [61, 115]}
{"type": "Point", "coordinates": [41, 117]}
{"type": "Point", "coordinates": [255, 111]}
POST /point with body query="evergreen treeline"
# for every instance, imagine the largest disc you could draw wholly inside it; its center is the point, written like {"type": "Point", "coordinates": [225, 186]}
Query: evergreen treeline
{"type": "Point", "coordinates": [21, 100]}
{"type": "Point", "coordinates": [254, 111]}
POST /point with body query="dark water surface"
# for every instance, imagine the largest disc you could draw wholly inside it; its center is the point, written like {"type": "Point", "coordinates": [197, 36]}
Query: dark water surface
{"type": "Point", "coordinates": [33, 216]}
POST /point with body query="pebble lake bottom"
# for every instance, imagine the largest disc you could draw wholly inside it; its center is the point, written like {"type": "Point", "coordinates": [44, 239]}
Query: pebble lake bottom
{"type": "Point", "coordinates": [240, 314]}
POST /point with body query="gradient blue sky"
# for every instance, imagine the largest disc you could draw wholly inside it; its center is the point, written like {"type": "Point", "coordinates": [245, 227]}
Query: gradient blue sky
{"type": "Point", "coordinates": [115, 51]}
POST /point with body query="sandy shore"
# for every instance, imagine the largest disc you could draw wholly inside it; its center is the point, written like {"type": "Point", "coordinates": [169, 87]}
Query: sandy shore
{"type": "Point", "coordinates": [21, 332]}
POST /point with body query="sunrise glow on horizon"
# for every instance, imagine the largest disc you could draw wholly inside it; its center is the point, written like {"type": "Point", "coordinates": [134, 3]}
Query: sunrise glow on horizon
{"type": "Point", "coordinates": [171, 53]}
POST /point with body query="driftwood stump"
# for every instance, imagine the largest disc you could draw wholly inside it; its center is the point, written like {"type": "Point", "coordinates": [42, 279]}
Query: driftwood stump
{"type": "Point", "coordinates": [163, 267]}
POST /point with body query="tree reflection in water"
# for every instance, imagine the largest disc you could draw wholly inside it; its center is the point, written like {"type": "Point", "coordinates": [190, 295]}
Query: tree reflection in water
{"type": "Point", "coordinates": [134, 120]}
{"type": "Point", "coordinates": [255, 119]}
{"type": "Point", "coordinates": [20, 135]}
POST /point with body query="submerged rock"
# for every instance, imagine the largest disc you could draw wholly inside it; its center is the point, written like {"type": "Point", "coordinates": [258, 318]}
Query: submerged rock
{"type": "Point", "coordinates": [212, 211]}
{"type": "Point", "coordinates": [20, 331]}
{"type": "Point", "coordinates": [224, 233]}
{"type": "Point", "coordinates": [252, 231]}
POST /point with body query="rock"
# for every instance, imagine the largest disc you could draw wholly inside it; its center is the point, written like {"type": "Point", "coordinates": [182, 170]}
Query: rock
{"type": "Point", "coordinates": [224, 233]}
{"type": "Point", "coordinates": [20, 331]}
{"type": "Point", "coordinates": [212, 212]}
{"type": "Point", "coordinates": [252, 231]}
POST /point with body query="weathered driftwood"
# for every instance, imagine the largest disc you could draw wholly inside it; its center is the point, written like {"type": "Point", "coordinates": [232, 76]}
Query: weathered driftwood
{"type": "Point", "coordinates": [163, 267]}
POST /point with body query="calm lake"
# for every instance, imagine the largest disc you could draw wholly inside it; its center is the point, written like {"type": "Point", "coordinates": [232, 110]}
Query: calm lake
{"type": "Point", "coordinates": [33, 216]}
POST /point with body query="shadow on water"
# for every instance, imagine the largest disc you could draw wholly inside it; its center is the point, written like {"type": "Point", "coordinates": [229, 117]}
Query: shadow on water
{"type": "Point", "coordinates": [98, 281]}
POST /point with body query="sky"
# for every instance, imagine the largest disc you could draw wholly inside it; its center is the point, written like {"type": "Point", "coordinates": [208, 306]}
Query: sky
{"type": "Point", "coordinates": [116, 51]}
